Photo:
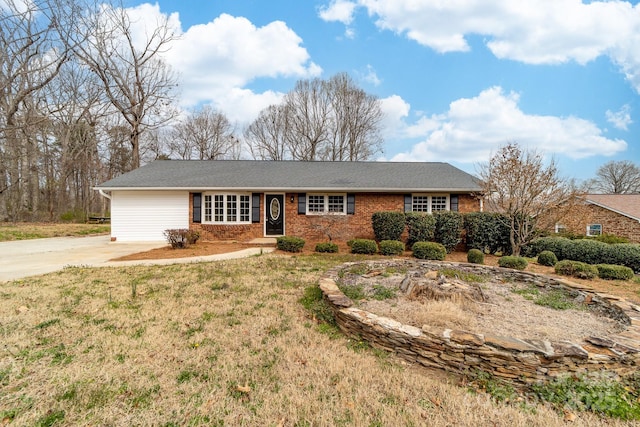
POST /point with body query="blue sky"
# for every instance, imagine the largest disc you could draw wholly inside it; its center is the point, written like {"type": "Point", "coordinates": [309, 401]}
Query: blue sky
{"type": "Point", "coordinates": [457, 79]}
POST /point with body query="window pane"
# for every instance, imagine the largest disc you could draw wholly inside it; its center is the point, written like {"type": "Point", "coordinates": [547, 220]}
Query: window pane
{"type": "Point", "coordinates": [244, 208]}
{"type": "Point", "coordinates": [207, 208]}
{"type": "Point", "coordinates": [232, 207]}
{"type": "Point", "coordinates": [218, 208]}
{"type": "Point", "coordinates": [316, 203]}
{"type": "Point", "coordinates": [420, 204]}
{"type": "Point", "coordinates": [594, 229]}
{"type": "Point", "coordinates": [336, 204]}
{"type": "Point", "coordinates": [438, 203]}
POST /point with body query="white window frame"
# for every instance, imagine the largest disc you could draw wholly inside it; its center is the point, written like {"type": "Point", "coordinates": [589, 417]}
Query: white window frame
{"type": "Point", "coordinates": [209, 208]}
{"type": "Point", "coordinates": [430, 202]}
{"type": "Point", "coordinates": [559, 228]}
{"type": "Point", "coordinates": [590, 230]}
{"type": "Point", "coordinates": [325, 207]}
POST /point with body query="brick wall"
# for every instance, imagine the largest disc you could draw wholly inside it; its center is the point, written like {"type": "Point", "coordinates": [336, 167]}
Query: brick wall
{"type": "Point", "coordinates": [318, 227]}
{"type": "Point", "coordinates": [612, 223]}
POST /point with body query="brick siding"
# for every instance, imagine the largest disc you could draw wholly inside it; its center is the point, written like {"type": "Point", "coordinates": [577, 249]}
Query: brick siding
{"type": "Point", "coordinates": [612, 223]}
{"type": "Point", "coordinates": [318, 227]}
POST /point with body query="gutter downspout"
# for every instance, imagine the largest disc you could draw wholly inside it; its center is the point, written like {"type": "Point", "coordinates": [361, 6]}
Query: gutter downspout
{"type": "Point", "coordinates": [103, 194]}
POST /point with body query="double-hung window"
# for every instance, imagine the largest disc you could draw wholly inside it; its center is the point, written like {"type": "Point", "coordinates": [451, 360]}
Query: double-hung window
{"type": "Point", "coordinates": [227, 208]}
{"type": "Point", "coordinates": [594, 230]}
{"type": "Point", "coordinates": [318, 204]}
{"type": "Point", "coordinates": [429, 203]}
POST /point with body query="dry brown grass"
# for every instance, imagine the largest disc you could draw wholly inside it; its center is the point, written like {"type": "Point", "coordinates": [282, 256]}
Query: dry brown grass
{"type": "Point", "coordinates": [223, 343]}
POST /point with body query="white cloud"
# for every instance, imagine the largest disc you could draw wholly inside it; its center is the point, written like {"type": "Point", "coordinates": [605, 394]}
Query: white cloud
{"type": "Point", "coordinates": [217, 60]}
{"type": "Point", "coordinates": [529, 31]}
{"type": "Point", "coordinates": [473, 128]}
{"type": "Point", "coordinates": [338, 10]}
{"type": "Point", "coordinates": [370, 76]}
{"type": "Point", "coordinates": [620, 119]}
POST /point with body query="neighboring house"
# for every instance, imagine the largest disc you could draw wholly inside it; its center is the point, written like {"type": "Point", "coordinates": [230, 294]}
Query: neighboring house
{"type": "Point", "coordinates": [617, 214]}
{"type": "Point", "coordinates": [246, 199]}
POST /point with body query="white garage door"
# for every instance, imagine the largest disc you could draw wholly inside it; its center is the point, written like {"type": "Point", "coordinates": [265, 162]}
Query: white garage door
{"type": "Point", "coordinates": [138, 216]}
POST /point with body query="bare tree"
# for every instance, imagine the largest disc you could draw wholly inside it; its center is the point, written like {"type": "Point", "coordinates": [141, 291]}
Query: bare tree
{"type": "Point", "coordinates": [319, 120]}
{"type": "Point", "coordinates": [266, 135]}
{"type": "Point", "coordinates": [531, 195]}
{"type": "Point", "coordinates": [136, 80]}
{"type": "Point", "coordinates": [32, 52]}
{"type": "Point", "coordinates": [206, 134]}
{"type": "Point", "coordinates": [617, 177]}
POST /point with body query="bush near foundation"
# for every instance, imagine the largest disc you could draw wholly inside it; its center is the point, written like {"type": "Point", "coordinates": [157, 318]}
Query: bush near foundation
{"type": "Point", "coordinates": [391, 247]}
{"type": "Point", "coordinates": [488, 232]}
{"type": "Point", "coordinates": [387, 225]}
{"type": "Point", "coordinates": [421, 227]}
{"type": "Point", "coordinates": [180, 238]}
{"type": "Point", "coordinates": [614, 272]}
{"type": "Point", "coordinates": [363, 246]}
{"type": "Point", "coordinates": [429, 250]}
{"type": "Point", "coordinates": [475, 256]}
{"type": "Point", "coordinates": [290, 243]}
{"type": "Point", "coordinates": [515, 262]}
{"type": "Point", "coordinates": [576, 269]}
{"type": "Point", "coordinates": [327, 247]}
{"type": "Point", "coordinates": [547, 258]}
{"type": "Point", "coordinates": [449, 226]}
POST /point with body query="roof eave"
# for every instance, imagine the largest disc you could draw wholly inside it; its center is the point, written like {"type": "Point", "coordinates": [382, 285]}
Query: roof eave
{"type": "Point", "coordinates": [296, 189]}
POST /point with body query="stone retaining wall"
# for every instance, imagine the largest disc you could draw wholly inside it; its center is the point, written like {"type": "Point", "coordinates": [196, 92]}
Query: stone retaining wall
{"type": "Point", "coordinates": [521, 361]}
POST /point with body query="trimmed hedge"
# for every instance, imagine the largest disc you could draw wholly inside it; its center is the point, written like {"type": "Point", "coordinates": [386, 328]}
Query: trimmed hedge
{"type": "Point", "coordinates": [388, 225]}
{"type": "Point", "coordinates": [429, 250]}
{"type": "Point", "coordinates": [516, 262]}
{"type": "Point", "coordinates": [363, 246]}
{"type": "Point", "coordinates": [475, 256]}
{"type": "Point", "coordinates": [391, 247]}
{"type": "Point", "coordinates": [421, 227]}
{"type": "Point", "coordinates": [614, 272]}
{"type": "Point", "coordinates": [488, 232]}
{"type": "Point", "coordinates": [449, 226]}
{"type": "Point", "coordinates": [588, 250]}
{"type": "Point", "coordinates": [290, 243]}
{"type": "Point", "coordinates": [547, 258]}
{"type": "Point", "coordinates": [327, 247]}
{"type": "Point", "coordinates": [577, 269]}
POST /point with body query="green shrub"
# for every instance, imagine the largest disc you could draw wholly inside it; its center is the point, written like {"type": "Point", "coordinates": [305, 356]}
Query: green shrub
{"type": "Point", "coordinates": [610, 239]}
{"type": "Point", "coordinates": [180, 238]}
{"type": "Point", "coordinates": [363, 246]}
{"type": "Point", "coordinates": [429, 250]}
{"type": "Point", "coordinates": [488, 232]}
{"type": "Point", "coordinates": [614, 272]}
{"type": "Point", "coordinates": [421, 227]}
{"type": "Point", "coordinates": [475, 256]}
{"type": "Point", "coordinates": [391, 247]}
{"type": "Point", "coordinates": [516, 262]}
{"type": "Point", "coordinates": [558, 245]}
{"type": "Point", "coordinates": [547, 258]}
{"type": "Point", "coordinates": [627, 254]}
{"type": "Point", "coordinates": [327, 247]}
{"type": "Point", "coordinates": [576, 269]}
{"type": "Point", "coordinates": [448, 229]}
{"type": "Point", "coordinates": [587, 250]}
{"type": "Point", "coordinates": [387, 225]}
{"type": "Point", "coordinates": [290, 243]}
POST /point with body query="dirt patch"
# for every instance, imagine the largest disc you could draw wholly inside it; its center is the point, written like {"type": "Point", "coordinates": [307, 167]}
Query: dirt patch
{"type": "Point", "coordinates": [199, 249]}
{"type": "Point", "coordinates": [416, 296]}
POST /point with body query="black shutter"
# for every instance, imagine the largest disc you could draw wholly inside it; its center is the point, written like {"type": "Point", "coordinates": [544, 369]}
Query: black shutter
{"type": "Point", "coordinates": [453, 203]}
{"type": "Point", "coordinates": [351, 204]}
{"type": "Point", "coordinates": [197, 207]}
{"type": "Point", "coordinates": [408, 203]}
{"type": "Point", "coordinates": [255, 207]}
{"type": "Point", "coordinates": [302, 203]}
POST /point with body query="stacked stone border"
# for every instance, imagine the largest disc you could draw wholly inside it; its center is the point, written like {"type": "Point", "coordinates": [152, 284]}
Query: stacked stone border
{"type": "Point", "coordinates": [520, 361]}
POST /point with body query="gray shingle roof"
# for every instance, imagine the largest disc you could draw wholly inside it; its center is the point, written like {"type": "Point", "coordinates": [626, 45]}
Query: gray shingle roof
{"type": "Point", "coordinates": [254, 175]}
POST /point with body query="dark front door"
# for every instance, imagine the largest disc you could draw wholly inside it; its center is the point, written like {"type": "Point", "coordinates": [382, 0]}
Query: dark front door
{"type": "Point", "coordinates": [274, 211]}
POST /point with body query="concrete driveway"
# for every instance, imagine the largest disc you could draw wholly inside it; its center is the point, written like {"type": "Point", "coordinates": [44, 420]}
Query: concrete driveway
{"type": "Point", "coordinates": [23, 258]}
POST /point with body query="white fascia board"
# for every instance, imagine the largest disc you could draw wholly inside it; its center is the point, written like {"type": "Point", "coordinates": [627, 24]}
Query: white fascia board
{"type": "Point", "coordinates": [296, 189]}
{"type": "Point", "coordinates": [609, 208]}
